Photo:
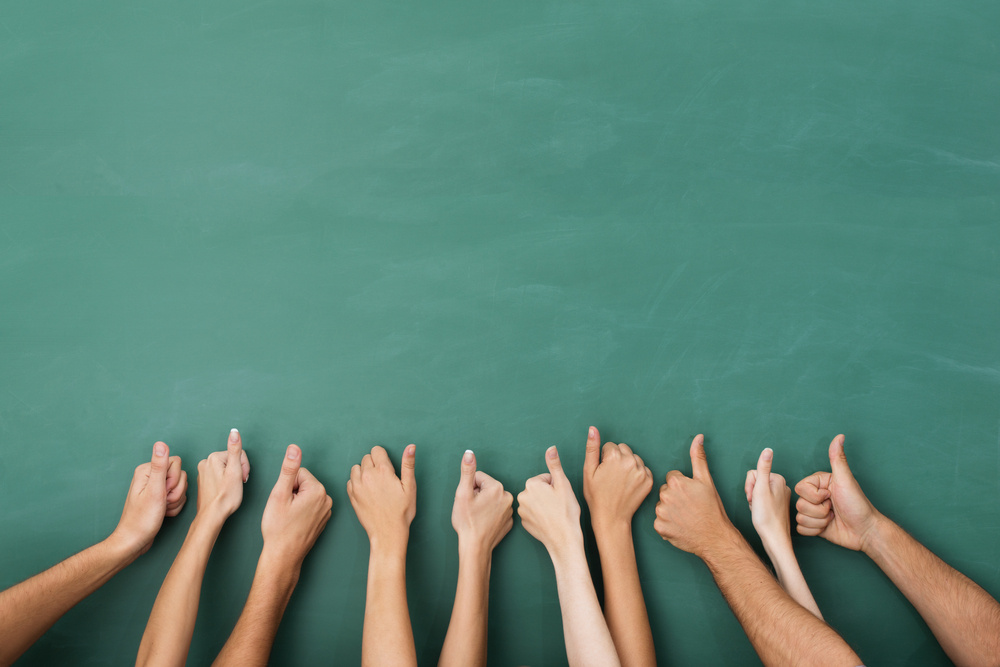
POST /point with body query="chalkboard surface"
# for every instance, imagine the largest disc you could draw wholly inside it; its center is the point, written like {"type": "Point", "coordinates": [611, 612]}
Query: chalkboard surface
{"type": "Point", "coordinates": [489, 225]}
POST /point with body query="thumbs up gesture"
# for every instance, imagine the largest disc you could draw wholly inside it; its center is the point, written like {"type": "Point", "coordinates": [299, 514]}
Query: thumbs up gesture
{"type": "Point", "coordinates": [550, 511]}
{"type": "Point", "coordinates": [482, 512]}
{"type": "Point", "coordinates": [832, 504]}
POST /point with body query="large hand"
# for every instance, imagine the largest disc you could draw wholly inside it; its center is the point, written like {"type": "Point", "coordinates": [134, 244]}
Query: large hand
{"type": "Point", "coordinates": [158, 489]}
{"type": "Point", "coordinates": [832, 504]}
{"type": "Point", "coordinates": [549, 509]}
{"type": "Point", "coordinates": [296, 512]}
{"type": "Point", "coordinates": [615, 487]}
{"type": "Point", "coordinates": [221, 477]}
{"type": "Point", "coordinates": [769, 495]}
{"type": "Point", "coordinates": [690, 513]}
{"type": "Point", "coordinates": [482, 514]}
{"type": "Point", "coordinates": [385, 504]}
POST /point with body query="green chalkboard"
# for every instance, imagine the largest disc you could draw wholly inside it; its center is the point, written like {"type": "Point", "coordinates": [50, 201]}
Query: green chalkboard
{"type": "Point", "coordinates": [491, 224]}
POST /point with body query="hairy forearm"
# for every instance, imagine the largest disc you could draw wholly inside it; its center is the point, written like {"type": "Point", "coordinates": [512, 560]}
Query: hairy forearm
{"type": "Point", "coordinates": [465, 642]}
{"type": "Point", "coordinates": [31, 607]}
{"type": "Point", "coordinates": [964, 618]}
{"type": "Point", "coordinates": [588, 641]}
{"type": "Point", "coordinates": [781, 631]}
{"type": "Point", "coordinates": [387, 638]}
{"type": "Point", "coordinates": [167, 638]}
{"type": "Point", "coordinates": [786, 567]}
{"type": "Point", "coordinates": [624, 606]}
{"type": "Point", "coordinates": [250, 643]}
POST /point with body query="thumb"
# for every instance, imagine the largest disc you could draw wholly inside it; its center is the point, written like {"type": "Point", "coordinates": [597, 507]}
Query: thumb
{"type": "Point", "coordinates": [158, 467]}
{"type": "Point", "coordinates": [554, 464]}
{"type": "Point", "coordinates": [235, 452]}
{"type": "Point", "coordinates": [593, 456]}
{"type": "Point", "coordinates": [289, 470]}
{"type": "Point", "coordinates": [699, 462]}
{"type": "Point", "coordinates": [467, 484]}
{"type": "Point", "coordinates": [838, 461]}
{"type": "Point", "coordinates": [407, 471]}
{"type": "Point", "coordinates": [764, 465]}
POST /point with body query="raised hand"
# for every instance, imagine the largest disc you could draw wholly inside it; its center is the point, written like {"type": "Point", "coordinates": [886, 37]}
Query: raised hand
{"type": "Point", "coordinates": [615, 486]}
{"type": "Point", "coordinates": [832, 504]}
{"type": "Point", "coordinates": [221, 477]}
{"type": "Point", "coordinates": [158, 490]}
{"type": "Point", "coordinates": [385, 504]}
{"type": "Point", "coordinates": [549, 509]}
{"type": "Point", "coordinates": [690, 513]}
{"type": "Point", "coordinates": [769, 497]}
{"type": "Point", "coordinates": [296, 512]}
{"type": "Point", "coordinates": [482, 514]}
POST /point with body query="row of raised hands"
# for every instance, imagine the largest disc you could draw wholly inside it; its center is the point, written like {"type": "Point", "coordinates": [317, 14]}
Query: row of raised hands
{"type": "Point", "coordinates": [780, 616]}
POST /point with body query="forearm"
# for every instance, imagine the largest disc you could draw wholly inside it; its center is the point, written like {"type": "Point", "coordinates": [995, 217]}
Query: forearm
{"type": "Point", "coordinates": [31, 607]}
{"type": "Point", "coordinates": [167, 638]}
{"type": "Point", "coordinates": [781, 631]}
{"type": "Point", "coordinates": [786, 567]}
{"type": "Point", "coordinates": [465, 642]}
{"type": "Point", "coordinates": [387, 638]}
{"type": "Point", "coordinates": [964, 618]}
{"type": "Point", "coordinates": [624, 606]}
{"type": "Point", "coordinates": [588, 641]}
{"type": "Point", "coordinates": [250, 643]}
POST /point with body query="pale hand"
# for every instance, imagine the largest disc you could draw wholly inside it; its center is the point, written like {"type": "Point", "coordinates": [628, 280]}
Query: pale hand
{"type": "Point", "coordinates": [615, 485]}
{"type": "Point", "coordinates": [769, 498]}
{"type": "Point", "coordinates": [296, 512]}
{"type": "Point", "coordinates": [483, 512]}
{"type": "Point", "coordinates": [832, 504]}
{"type": "Point", "coordinates": [384, 503]}
{"type": "Point", "coordinates": [158, 490]}
{"type": "Point", "coordinates": [549, 509]}
{"type": "Point", "coordinates": [221, 477]}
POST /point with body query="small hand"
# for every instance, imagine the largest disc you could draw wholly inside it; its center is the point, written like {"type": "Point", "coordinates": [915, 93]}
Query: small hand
{"type": "Point", "coordinates": [549, 509]}
{"type": "Point", "coordinates": [482, 514]}
{"type": "Point", "coordinates": [769, 496]}
{"type": "Point", "coordinates": [690, 513]}
{"type": "Point", "coordinates": [296, 512]}
{"type": "Point", "coordinates": [832, 504]}
{"type": "Point", "coordinates": [615, 486]}
{"type": "Point", "coordinates": [158, 489]}
{"type": "Point", "coordinates": [221, 477]}
{"type": "Point", "coordinates": [385, 504]}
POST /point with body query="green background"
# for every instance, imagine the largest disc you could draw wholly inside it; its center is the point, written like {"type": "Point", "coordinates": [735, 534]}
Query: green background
{"type": "Point", "coordinates": [489, 225]}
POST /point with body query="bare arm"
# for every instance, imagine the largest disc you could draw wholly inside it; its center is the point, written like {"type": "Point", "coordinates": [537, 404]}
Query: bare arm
{"type": "Point", "coordinates": [550, 512]}
{"type": "Point", "coordinates": [295, 515]}
{"type": "Point", "coordinates": [964, 618]}
{"type": "Point", "coordinates": [691, 516]}
{"type": "Point", "coordinates": [385, 505]}
{"type": "Point", "coordinates": [167, 637]}
{"type": "Point", "coordinates": [481, 516]}
{"type": "Point", "coordinates": [30, 608]}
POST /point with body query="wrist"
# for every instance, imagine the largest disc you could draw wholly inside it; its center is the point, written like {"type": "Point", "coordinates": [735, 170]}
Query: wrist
{"type": "Point", "coordinates": [475, 553]}
{"type": "Point", "coordinates": [614, 527]}
{"type": "Point", "coordinates": [721, 543]}
{"type": "Point", "coordinates": [872, 538]}
{"type": "Point", "coordinates": [278, 566]}
{"type": "Point", "coordinates": [567, 550]}
{"type": "Point", "coordinates": [121, 548]}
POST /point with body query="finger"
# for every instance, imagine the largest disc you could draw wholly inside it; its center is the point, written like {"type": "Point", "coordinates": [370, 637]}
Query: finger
{"type": "Point", "coordinates": [234, 450]}
{"type": "Point", "coordinates": [673, 475]}
{"type": "Point", "coordinates": [380, 457]}
{"type": "Point", "coordinates": [306, 482]}
{"type": "Point", "coordinates": [245, 466]}
{"type": "Point", "coordinates": [158, 468]}
{"type": "Point", "coordinates": [554, 465]}
{"type": "Point", "coordinates": [407, 472]}
{"type": "Point", "coordinates": [838, 460]}
{"type": "Point", "coordinates": [807, 521]}
{"type": "Point", "coordinates": [808, 532]}
{"type": "Point", "coordinates": [749, 484]}
{"type": "Point", "coordinates": [593, 456]}
{"type": "Point", "coordinates": [813, 488]}
{"type": "Point", "coordinates": [173, 474]}
{"type": "Point", "coordinates": [625, 449]}
{"type": "Point", "coordinates": [289, 470]}
{"type": "Point", "coordinates": [544, 478]}
{"type": "Point", "coordinates": [367, 462]}
{"type": "Point", "coordinates": [355, 473]}
{"type": "Point", "coordinates": [639, 463]}
{"type": "Point", "coordinates": [180, 488]}
{"type": "Point", "coordinates": [818, 511]}
{"type": "Point", "coordinates": [467, 482]}
{"type": "Point", "coordinates": [484, 481]}
{"type": "Point", "coordinates": [764, 465]}
{"type": "Point", "coordinates": [176, 509]}
{"type": "Point", "coordinates": [699, 461]}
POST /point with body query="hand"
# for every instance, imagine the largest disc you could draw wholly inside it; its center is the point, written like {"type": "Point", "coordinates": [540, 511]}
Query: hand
{"type": "Point", "coordinates": [221, 478]}
{"type": "Point", "coordinates": [832, 504]}
{"type": "Point", "coordinates": [690, 513]}
{"type": "Point", "coordinates": [615, 487]}
{"type": "Point", "coordinates": [158, 489]}
{"type": "Point", "coordinates": [769, 502]}
{"type": "Point", "coordinates": [296, 512]}
{"type": "Point", "coordinates": [549, 509]}
{"type": "Point", "coordinates": [385, 504]}
{"type": "Point", "coordinates": [482, 514]}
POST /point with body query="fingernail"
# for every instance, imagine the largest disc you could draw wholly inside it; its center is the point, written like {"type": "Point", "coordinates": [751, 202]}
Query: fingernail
{"type": "Point", "coordinates": [552, 452]}
{"type": "Point", "coordinates": [467, 458]}
{"type": "Point", "coordinates": [593, 432]}
{"type": "Point", "coordinates": [411, 450]}
{"type": "Point", "coordinates": [292, 454]}
{"type": "Point", "coordinates": [768, 453]}
{"type": "Point", "coordinates": [159, 449]}
{"type": "Point", "coordinates": [234, 435]}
